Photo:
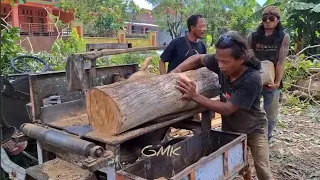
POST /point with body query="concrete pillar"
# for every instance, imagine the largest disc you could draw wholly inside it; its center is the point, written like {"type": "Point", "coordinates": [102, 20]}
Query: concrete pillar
{"type": "Point", "coordinates": [144, 30]}
{"type": "Point", "coordinates": [121, 35]}
{"type": "Point", "coordinates": [152, 36]}
{"type": "Point", "coordinates": [129, 28]}
{"type": "Point", "coordinates": [79, 27]}
{"type": "Point", "coordinates": [15, 15]}
{"type": "Point", "coordinates": [50, 23]}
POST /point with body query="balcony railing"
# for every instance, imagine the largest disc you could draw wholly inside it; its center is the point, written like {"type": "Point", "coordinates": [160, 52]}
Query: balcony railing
{"type": "Point", "coordinates": [38, 29]}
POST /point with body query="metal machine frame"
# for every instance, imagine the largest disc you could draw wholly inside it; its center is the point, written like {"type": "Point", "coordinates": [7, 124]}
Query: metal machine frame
{"type": "Point", "coordinates": [59, 124]}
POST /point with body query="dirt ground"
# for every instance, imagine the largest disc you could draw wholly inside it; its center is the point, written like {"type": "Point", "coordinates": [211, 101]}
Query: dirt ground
{"type": "Point", "coordinates": [295, 147]}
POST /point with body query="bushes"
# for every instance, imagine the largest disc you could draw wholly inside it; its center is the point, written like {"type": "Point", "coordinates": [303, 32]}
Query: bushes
{"type": "Point", "coordinates": [130, 58]}
{"type": "Point", "coordinates": [298, 68]}
{"type": "Point", "coordinates": [9, 48]}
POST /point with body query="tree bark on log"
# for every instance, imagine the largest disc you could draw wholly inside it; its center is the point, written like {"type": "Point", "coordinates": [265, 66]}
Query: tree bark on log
{"type": "Point", "coordinates": [118, 107]}
{"type": "Point", "coordinates": [267, 72]}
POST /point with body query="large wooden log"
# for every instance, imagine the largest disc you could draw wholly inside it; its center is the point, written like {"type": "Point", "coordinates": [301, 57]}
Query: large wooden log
{"type": "Point", "coordinates": [118, 107]}
{"type": "Point", "coordinates": [268, 72]}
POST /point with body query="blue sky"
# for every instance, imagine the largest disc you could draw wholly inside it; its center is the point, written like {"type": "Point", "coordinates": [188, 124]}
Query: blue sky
{"type": "Point", "coordinates": [146, 5]}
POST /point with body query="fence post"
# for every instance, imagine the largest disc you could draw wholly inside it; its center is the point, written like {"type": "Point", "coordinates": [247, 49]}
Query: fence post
{"type": "Point", "coordinates": [15, 15]}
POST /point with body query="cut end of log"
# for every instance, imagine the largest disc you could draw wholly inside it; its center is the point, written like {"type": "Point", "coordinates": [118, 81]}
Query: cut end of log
{"type": "Point", "coordinates": [106, 112]}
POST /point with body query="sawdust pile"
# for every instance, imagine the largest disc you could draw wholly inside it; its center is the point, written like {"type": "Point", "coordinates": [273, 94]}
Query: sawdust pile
{"type": "Point", "coordinates": [73, 121]}
{"type": "Point", "coordinates": [58, 169]}
{"type": "Point", "coordinates": [175, 133]}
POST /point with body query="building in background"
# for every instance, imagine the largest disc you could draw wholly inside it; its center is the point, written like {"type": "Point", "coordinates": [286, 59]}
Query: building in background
{"type": "Point", "coordinates": [37, 26]}
{"type": "Point", "coordinates": [36, 23]}
{"type": "Point", "coordinates": [144, 23]}
{"type": "Point", "coordinates": [33, 17]}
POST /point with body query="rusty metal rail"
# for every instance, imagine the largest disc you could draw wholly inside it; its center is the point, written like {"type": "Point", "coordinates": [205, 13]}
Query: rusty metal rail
{"type": "Point", "coordinates": [93, 55]}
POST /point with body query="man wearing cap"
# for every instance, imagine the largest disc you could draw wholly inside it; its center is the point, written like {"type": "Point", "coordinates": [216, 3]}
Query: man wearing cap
{"type": "Point", "coordinates": [271, 43]}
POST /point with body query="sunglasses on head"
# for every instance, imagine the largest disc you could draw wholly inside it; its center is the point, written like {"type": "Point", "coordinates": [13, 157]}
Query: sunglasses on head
{"type": "Point", "coordinates": [270, 17]}
{"type": "Point", "coordinates": [226, 41]}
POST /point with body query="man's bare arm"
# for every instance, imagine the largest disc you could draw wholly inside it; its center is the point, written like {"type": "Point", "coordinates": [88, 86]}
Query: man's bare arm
{"type": "Point", "coordinates": [223, 108]}
{"type": "Point", "coordinates": [283, 53]}
{"type": "Point", "coordinates": [188, 89]}
{"type": "Point", "coordinates": [189, 63]}
{"type": "Point", "coordinates": [162, 67]}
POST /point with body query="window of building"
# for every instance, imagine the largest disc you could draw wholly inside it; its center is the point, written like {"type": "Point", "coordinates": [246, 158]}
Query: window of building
{"type": "Point", "coordinates": [132, 29]}
{"type": "Point", "coordinates": [30, 19]}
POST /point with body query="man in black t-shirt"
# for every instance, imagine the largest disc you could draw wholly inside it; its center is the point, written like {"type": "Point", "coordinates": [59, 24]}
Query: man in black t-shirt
{"type": "Point", "coordinates": [183, 47]}
{"type": "Point", "coordinates": [241, 88]}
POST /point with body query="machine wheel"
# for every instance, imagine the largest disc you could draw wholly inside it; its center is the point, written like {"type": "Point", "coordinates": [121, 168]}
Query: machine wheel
{"type": "Point", "coordinates": [29, 64]}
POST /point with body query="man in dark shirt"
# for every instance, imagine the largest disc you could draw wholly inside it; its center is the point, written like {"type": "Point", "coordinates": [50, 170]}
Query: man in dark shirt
{"type": "Point", "coordinates": [183, 47]}
{"type": "Point", "coordinates": [241, 88]}
{"type": "Point", "coordinates": [270, 42]}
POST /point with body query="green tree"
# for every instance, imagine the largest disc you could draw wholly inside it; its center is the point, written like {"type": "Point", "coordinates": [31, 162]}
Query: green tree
{"type": "Point", "coordinates": [222, 15]}
{"type": "Point", "coordinates": [170, 15]}
{"type": "Point", "coordinates": [303, 19]}
{"type": "Point", "coordinates": [102, 13]}
{"type": "Point", "coordinates": [62, 49]}
{"type": "Point", "coordinates": [9, 47]}
{"type": "Point", "coordinates": [73, 44]}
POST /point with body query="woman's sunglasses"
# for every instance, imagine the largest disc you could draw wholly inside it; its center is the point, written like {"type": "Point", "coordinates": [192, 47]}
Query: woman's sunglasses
{"type": "Point", "coordinates": [266, 17]}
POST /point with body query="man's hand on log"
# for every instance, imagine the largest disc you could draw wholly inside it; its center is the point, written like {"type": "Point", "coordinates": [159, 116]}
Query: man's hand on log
{"type": "Point", "coordinates": [187, 88]}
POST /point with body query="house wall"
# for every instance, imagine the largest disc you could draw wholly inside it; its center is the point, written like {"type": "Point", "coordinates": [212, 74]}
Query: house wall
{"type": "Point", "coordinates": [65, 17]}
{"type": "Point", "coordinates": [139, 29]}
{"type": "Point", "coordinates": [38, 43]}
{"type": "Point", "coordinates": [31, 15]}
{"type": "Point", "coordinates": [138, 42]}
{"type": "Point", "coordinates": [151, 40]}
{"type": "Point", "coordinates": [45, 43]}
{"type": "Point", "coordinates": [97, 40]}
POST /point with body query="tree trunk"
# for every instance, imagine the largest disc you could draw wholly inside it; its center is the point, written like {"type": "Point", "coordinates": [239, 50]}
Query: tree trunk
{"type": "Point", "coordinates": [118, 107]}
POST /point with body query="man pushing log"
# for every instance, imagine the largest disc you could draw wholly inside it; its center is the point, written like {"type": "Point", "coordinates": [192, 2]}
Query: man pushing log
{"type": "Point", "coordinates": [241, 88]}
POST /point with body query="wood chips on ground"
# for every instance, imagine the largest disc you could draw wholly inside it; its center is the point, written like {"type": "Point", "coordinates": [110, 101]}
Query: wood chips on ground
{"type": "Point", "coordinates": [295, 147]}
